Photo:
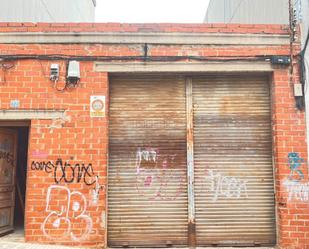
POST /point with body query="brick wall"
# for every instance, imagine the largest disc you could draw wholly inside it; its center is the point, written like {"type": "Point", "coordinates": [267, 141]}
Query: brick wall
{"type": "Point", "coordinates": [75, 139]}
{"type": "Point", "coordinates": [57, 146]}
{"type": "Point", "coordinates": [118, 27]}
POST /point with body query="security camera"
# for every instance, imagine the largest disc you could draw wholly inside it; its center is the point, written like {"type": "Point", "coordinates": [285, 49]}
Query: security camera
{"type": "Point", "coordinates": [73, 72]}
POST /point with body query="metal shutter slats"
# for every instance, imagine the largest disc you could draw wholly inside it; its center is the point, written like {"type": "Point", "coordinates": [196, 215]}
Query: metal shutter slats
{"type": "Point", "coordinates": [234, 193]}
{"type": "Point", "coordinates": [233, 174]}
{"type": "Point", "coordinates": [147, 195]}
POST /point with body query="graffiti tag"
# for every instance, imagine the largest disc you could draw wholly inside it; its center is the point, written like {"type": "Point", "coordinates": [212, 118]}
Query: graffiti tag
{"type": "Point", "coordinates": [294, 163]}
{"type": "Point", "coordinates": [226, 186]}
{"type": "Point", "coordinates": [7, 156]}
{"type": "Point", "coordinates": [297, 188]}
{"type": "Point", "coordinates": [297, 191]}
{"type": "Point", "coordinates": [96, 190]}
{"type": "Point", "coordinates": [156, 178]}
{"type": "Point", "coordinates": [68, 215]}
{"type": "Point", "coordinates": [67, 172]}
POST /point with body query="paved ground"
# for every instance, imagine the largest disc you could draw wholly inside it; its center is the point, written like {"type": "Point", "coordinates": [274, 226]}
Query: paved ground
{"type": "Point", "coordinates": [19, 245]}
{"type": "Point", "coordinates": [16, 241]}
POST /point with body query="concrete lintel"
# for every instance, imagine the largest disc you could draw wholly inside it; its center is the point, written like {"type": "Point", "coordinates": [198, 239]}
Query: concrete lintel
{"type": "Point", "coordinates": [203, 67]}
{"type": "Point", "coordinates": [31, 114]}
{"type": "Point", "coordinates": [141, 38]}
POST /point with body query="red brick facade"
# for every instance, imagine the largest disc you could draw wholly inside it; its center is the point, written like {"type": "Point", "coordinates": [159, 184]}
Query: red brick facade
{"type": "Point", "coordinates": [79, 139]}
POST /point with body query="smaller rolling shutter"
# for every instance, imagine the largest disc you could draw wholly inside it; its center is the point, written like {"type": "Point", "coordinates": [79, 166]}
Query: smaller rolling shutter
{"type": "Point", "coordinates": [147, 197]}
{"type": "Point", "coordinates": [234, 191]}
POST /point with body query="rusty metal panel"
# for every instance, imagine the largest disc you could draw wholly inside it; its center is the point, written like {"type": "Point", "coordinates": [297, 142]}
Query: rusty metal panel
{"type": "Point", "coordinates": [234, 194]}
{"type": "Point", "coordinates": [147, 195]}
{"type": "Point", "coordinates": [8, 145]}
{"type": "Point", "coordinates": [190, 165]}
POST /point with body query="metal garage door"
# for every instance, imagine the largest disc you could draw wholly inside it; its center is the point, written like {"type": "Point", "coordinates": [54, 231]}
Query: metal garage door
{"type": "Point", "coordinates": [147, 195]}
{"type": "Point", "coordinates": [234, 194]}
{"type": "Point", "coordinates": [151, 154]}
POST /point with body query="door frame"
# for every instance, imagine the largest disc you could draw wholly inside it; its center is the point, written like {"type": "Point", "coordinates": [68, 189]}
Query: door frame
{"type": "Point", "coordinates": [13, 124]}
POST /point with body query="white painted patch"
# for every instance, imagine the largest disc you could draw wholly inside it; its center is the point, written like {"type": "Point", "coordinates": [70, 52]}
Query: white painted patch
{"type": "Point", "coordinates": [56, 223]}
{"type": "Point", "coordinates": [96, 191]}
{"type": "Point", "coordinates": [76, 206]}
{"type": "Point", "coordinates": [58, 123]}
{"type": "Point", "coordinates": [103, 220]}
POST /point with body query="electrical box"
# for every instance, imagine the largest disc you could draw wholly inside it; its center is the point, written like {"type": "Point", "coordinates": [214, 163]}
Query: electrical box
{"type": "Point", "coordinates": [280, 60]}
{"type": "Point", "coordinates": [54, 72]}
{"type": "Point", "coordinates": [298, 90]}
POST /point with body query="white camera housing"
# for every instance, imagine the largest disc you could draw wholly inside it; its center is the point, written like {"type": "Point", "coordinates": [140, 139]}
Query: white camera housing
{"type": "Point", "coordinates": [73, 72]}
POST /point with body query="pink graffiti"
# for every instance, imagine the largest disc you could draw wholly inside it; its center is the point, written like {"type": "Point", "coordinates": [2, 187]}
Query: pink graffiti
{"type": "Point", "coordinates": [148, 181]}
{"type": "Point", "coordinates": [156, 178]}
{"type": "Point", "coordinates": [39, 154]}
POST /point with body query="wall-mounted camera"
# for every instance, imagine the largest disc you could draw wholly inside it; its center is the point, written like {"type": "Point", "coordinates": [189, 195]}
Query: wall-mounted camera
{"type": "Point", "coordinates": [73, 76]}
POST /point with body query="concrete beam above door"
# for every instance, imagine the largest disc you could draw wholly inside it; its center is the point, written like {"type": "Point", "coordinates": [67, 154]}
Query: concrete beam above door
{"type": "Point", "coordinates": [183, 67]}
{"type": "Point", "coordinates": [31, 114]}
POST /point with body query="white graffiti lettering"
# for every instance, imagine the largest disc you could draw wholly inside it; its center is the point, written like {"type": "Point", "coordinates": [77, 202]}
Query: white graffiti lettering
{"type": "Point", "coordinates": [297, 190]}
{"type": "Point", "coordinates": [146, 155]}
{"type": "Point", "coordinates": [67, 213]}
{"type": "Point", "coordinates": [226, 186]}
{"type": "Point", "coordinates": [95, 191]}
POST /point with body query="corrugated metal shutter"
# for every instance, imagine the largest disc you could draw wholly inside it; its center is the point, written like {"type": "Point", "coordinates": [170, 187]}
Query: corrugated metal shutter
{"type": "Point", "coordinates": [234, 194]}
{"type": "Point", "coordinates": [147, 193]}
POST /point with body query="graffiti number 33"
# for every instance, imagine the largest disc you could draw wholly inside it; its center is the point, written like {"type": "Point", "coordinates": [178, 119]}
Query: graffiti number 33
{"type": "Point", "coordinates": [67, 213]}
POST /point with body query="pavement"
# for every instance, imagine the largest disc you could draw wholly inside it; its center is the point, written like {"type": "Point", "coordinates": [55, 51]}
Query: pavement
{"type": "Point", "coordinates": [16, 241]}
{"type": "Point", "coordinates": [22, 245]}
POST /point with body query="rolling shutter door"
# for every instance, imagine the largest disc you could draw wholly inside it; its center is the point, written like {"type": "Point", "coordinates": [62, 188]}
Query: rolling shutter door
{"type": "Point", "coordinates": [234, 194]}
{"type": "Point", "coordinates": [147, 193]}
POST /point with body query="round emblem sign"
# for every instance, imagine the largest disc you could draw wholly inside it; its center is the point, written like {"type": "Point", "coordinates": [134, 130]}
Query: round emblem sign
{"type": "Point", "coordinates": [97, 105]}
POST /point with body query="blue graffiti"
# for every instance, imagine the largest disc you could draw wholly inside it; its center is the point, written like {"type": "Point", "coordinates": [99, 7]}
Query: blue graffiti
{"type": "Point", "coordinates": [294, 163]}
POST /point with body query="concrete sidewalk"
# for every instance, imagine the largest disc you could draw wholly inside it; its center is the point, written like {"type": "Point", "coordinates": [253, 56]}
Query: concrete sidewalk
{"type": "Point", "coordinates": [16, 240]}
{"type": "Point", "coordinates": [22, 245]}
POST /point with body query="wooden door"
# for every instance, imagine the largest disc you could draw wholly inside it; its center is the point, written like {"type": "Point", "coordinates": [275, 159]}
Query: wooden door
{"type": "Point", "coordinates": [8, 145]}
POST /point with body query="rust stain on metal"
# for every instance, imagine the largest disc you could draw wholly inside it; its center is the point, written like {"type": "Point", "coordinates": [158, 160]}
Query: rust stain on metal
{"type": "Point", "coordinates": [232, 141]}
{"type": "Point", "coordinates": [190, 165]}
{"type": "Point", "coordinates": [191, 234]}
{"type": "Point", "coordinates": [237, 104]}
{"type": "Point", "coordinates": [147, 169]}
